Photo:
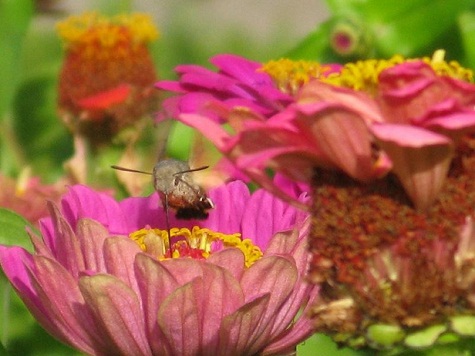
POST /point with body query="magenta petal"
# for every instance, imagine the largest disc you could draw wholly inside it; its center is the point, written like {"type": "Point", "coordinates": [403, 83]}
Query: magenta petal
{"type": "Point", "coordinates": [421, 159]}
{"type": "Point", "coordinates": [92, 235]}
{"type": "Point", "coordinates": [15, 263]}
{"type": "Point", "coordinates": [143, 211]}
{"type": "Point", "coordinates": [209, 128]}
{"type": "Point", "coordinates": [274, 216]}
{"type": "Point", "coordinates": [67, 246]}
{"type": "Point", "coordinates": [82, 201]}
{"type": "Point", "coordinates": [179, 321]}
{"type": "Point", "coordinates": [155, 283]}
{"type": "Point", "coordinates": [240, 68]}
{"type": "Point", "coordinates": [454, 124]}
{"type": "Point", "coordinates": [119, 256]}
{"type": "Point", "coordinates": [231, 201]}
{"type": "Point", "coordinates": [116, 310]}
{"type": "Point", "coordinates": [238, 330]}
{"type": "Point", "coordinates": [67, 318]}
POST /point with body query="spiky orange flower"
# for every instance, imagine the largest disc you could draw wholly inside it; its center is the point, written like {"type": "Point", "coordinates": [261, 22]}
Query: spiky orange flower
{"type": "Point", "coordinates": [106, 82]}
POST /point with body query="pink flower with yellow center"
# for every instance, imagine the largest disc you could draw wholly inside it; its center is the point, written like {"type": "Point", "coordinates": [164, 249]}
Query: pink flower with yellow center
{"type": "Point", "coordinates": [101, 279]}
{"type": "Point", "coordinates": [388, 148]}
{"type": "Point", "coordinates": [265, 89]}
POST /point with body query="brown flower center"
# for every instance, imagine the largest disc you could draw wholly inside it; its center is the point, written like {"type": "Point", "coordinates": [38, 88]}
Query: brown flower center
{"type": "Point", "coordinates": [388, 261]}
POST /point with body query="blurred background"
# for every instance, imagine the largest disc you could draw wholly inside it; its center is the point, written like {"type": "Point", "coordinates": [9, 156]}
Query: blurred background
{"type": "Point", "coordinates": [34, 142]}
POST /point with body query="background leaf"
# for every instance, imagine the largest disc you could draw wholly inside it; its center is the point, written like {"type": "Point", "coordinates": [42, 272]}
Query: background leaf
{"type": "Point", "coordinates": [13, 229]}
{"type": "Point", "coordinates": [15, 16]}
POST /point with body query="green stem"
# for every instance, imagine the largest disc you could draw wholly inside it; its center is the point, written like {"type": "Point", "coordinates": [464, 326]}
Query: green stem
{"type": "Point", "coordinates": [12, 155]}
{"type": "Point", "coordinates": [5, 309]}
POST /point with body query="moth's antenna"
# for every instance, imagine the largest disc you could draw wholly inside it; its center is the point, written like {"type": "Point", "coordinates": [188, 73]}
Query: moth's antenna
{"type": "Point", "coordinates": [119, 168]}
{"type": "Point", "coordinates": [129, 170]}
{"type": "Point", "coordinates": [192, 170]}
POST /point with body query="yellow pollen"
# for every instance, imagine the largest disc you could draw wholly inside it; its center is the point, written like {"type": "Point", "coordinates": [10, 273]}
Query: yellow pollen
{"type": "Point", "coordinates": [451, 69]}
{"type": "Point", "coordinates": [92, 29]}
{"type": "Point", "coordinates": [289, 75]}
{"type": "Point", "coordinates": [195, 243]}
{"type": "Point", "coordinates": [363, 75]}
{"type": "Point", "coordinates": [22, 181]}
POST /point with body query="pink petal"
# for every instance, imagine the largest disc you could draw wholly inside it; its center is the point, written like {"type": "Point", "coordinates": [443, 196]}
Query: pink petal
{"type": "Point", "coordinates": [230, 258]}
{"type": "Point", "coordinates": [421, 159]}
{"type": "Point", "coordinates": [274, 216]}
{"type": "Point", "coordinates": [231, 201]}
{"type": "Point", "coordinates": [16, 263]}
{"type": "Point", "coordinates": [119, 256]}
{"type": "Point", "coordinates": [67, 246]}
{"type": "Point", "coordinates": [241, 68]}
{"type": "Point", "coordinates": [209, 128]}
{"type": "Point", "coordinates": [82, 201]}
{"type": "Point", "coordinates": [359, 102]}
{"type": "Point", "coordinates": [237, 332]}
{"type": "Point", "coordinates": [92, 235]}
{"type": "Point", "coordinates": [117, 311]}
{"type": "Point", "coordinates": [217, 294]}
{"type": "Point", "coordinates": [179, 321]}
{"type": "Point", "coordinates": [65, 311]}
{"type": "Point", "coordinates": [268, 183]}
{"type": "Point", "coordinates": [282, 242]}
{"type": "Point", "coordinates": [184, 270]}
{"type": "Point", "coordinates": [300, 330]}
{"type": "Point", "coordinates": [456, 124]}
{"type": "Point", "coordinates": [342, 136]}
{"type": "Point", "coordinates": [141, 212]}
{"type": "Point", "coordinates": [155, 283]}
{"type": "Point", "coordinates": [302, 291]}
{"type": "Point", "coordinates": [275, 275]}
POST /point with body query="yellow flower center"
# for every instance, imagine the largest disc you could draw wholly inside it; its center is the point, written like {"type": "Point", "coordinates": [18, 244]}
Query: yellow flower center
{"type": "Point", "coordinates": [289, 75]}
{"type": "Point", "coordinates": [198, 243]}
{"type": "Point", "coordinates": [363, 75]}
{"type": "Point", "coordinates": [91, 30]}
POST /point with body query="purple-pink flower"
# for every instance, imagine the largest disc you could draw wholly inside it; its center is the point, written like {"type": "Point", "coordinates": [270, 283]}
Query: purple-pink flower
{"type": "Point", "coordinates": [100, 279]}
{"type": "Point", "coordinates": [412, 114]}
{"type": "Point", "coordinates": [238, 82]}
{"type": "Point", "coordinates": [388, 149]}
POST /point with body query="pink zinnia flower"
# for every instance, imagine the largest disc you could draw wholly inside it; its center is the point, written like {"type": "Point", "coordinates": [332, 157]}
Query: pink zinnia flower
{"type": "Point", "coordinates": [239, 82]}
{"type": "Point", "coordinates": [389, 154]}
{"type": "Point", "coordinates": [101, 280]}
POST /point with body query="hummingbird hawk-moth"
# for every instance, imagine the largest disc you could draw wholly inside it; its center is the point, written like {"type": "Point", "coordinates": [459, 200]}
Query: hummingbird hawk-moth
{"type": "Point", "coordinates": [173, 180]}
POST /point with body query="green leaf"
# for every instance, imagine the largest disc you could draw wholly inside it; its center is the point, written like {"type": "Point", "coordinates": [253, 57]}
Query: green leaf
{"type": "Point", "coordinates": [15, 16]}
{"type": "Point", "coordinates": [387, 27]}
{"type": "Point", "coordinates": [45, 141]}
{"type": "Point", "coordinates": [416, 29]}
{"type": "Point", "coordinates": [13, 229]}
{"type": "Point", "coordinates": [467, 30]}
{"type": "Point", "coordinates": [320, 344]}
